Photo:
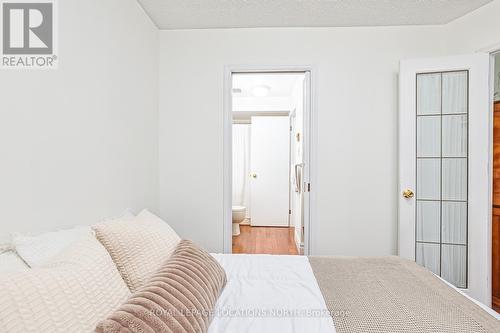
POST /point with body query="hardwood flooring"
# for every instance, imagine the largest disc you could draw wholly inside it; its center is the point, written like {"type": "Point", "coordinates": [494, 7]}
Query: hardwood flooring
{"type": "Point", "coordinates": [265, 240]}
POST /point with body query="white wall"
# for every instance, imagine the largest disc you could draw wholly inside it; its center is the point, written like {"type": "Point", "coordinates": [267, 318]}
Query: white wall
{"type": "Point", "coordinates": [80, 143]}
{"type": "Point", "coordinates": [356, 115]}
{"type": "Point", "coordinates": [266, 104]}
{"type": "Point", "coordinates": [478, 31]}
{"type": "Point", "coordinates": [474, 32]}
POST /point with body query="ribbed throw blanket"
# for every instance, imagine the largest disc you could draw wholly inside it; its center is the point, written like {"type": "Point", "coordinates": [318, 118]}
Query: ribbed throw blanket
{"type": "Point", "coordinates": [390, 294]}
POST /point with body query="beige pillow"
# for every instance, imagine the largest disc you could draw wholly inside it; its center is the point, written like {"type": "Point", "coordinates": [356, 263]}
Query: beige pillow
{"type": "Point", "coordinates": [72, 293]}
{"type": "Point", "coordinates": [138, 246]}
{"type": "Point", "coordinates": [180, 297]}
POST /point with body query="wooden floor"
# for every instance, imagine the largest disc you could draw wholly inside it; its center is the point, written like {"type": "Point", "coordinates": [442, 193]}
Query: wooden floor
{"type": "Point", "coordinates": [265, 240]}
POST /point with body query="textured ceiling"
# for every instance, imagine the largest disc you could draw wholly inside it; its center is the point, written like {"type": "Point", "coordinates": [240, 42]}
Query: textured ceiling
{"type": "Point", "coordinates": [200, 14]}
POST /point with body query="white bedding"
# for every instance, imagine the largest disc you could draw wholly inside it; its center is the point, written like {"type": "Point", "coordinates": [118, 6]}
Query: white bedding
{"type": "Point", "coordinates": [266, 293]}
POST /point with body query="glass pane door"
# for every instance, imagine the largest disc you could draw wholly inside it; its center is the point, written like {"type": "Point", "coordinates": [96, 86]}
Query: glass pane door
{"type": "Point", "coordinates": [442, 174]}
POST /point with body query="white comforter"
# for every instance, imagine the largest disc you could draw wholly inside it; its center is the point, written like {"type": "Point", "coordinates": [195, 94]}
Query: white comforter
{"type": "Point", "coordinates": [266, 293]}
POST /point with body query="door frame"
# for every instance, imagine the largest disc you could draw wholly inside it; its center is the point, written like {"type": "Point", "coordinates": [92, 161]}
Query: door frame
{"type": "Point", "coordinates": [479, 202]}
{"type": "Point", "coordinates": [310, 132]}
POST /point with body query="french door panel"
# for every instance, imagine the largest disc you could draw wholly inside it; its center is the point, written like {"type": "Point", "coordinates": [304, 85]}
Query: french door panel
{"type": "Point", "coordinates": [443, 169]}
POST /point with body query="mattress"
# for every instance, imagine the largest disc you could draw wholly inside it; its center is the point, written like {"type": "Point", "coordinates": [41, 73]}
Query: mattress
{"type": "Point", "coordinates": [266, 293]}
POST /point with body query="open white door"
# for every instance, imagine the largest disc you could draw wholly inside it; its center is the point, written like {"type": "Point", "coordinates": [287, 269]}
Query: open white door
{"type": "Point", "coordinates": [307, 145]}
{"type": "Point", "coordinates": [270, 154]}
{"type": "Point", "coordinates": [444, 181]}
{"type": "Point", "coordinates": [300, 157]}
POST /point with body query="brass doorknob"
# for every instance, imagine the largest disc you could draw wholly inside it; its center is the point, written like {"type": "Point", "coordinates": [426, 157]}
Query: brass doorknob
{"type": "Point", "coordinates": [408, 194]}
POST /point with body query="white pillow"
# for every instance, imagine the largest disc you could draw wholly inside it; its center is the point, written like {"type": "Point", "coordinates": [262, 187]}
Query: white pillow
{"type": "Point", "coordinates": [38, 250]}
{"type": "Point", "coordinates": [11, 262]}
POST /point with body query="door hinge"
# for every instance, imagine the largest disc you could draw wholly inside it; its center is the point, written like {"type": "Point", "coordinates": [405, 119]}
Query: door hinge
{"type": "Point", "coordinates": [308, 187]}
{"type": "Point", "coordinates": [289, 212]}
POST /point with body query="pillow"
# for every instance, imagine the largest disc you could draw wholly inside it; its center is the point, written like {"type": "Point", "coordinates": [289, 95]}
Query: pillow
{"type": "Point", "coordinates": [11, 262]}
{"type": "Point", "coordinates": [180, 297]}
{"type": "Point", "coordinates": [38, 250]}
{"type": "Point", "coordinates": [138, 246]}
{"type": "Point", "coordinates": [72, 293]}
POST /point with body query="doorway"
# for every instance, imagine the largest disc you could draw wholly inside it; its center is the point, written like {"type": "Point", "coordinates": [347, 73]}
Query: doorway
{"type": "Point", "coordinates": [267, 161]}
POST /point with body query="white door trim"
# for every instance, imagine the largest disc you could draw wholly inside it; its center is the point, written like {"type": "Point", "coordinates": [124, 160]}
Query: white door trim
{"type": "Point", "coordinates": [479, 236]}
{"type": "Point", "coordinates": [310, 177]}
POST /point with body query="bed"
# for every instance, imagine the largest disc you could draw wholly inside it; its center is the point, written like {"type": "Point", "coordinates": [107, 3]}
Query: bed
{"type": "Point", "coordinates": [102, 279]}
{"type": "Point", "coordinates": [267, 293]}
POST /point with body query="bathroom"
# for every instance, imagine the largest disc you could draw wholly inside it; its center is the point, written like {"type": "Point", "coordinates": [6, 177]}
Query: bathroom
{"type": "Point", "coordinates": [268, 162]}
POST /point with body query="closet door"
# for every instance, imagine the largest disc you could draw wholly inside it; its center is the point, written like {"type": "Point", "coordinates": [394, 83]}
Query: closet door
{"type": "Point", "coordinates": [444, 180]}
{"type": "Point", "coordinates": [269, 158]}
{"type": "Point", "coordinates": [496, 210]}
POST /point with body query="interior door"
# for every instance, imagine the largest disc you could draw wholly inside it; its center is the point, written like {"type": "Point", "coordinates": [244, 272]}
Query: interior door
{"type": "Point", "coordinates": [495, 248]}
{"type": "Point", "coordinates": [270, 153]}
{"type": "Point", "coordinates": [444, 180]}
{"type": "Point", "coordinates": [302, 166]}
{"type": "Point", "coordinates": [306, 153]}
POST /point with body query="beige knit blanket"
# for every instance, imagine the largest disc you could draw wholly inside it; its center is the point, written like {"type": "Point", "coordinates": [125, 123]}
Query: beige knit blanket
{"type": "Point", "coordinates": [390, 294]}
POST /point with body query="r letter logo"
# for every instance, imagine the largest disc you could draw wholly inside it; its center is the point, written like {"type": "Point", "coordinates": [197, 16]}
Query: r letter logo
{"type": "Point", "coordinates": [28, 34]}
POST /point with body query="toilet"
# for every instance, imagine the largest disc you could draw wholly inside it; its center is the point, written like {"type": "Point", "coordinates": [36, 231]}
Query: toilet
{"type": "Point", "coordinates": [239, 215]}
